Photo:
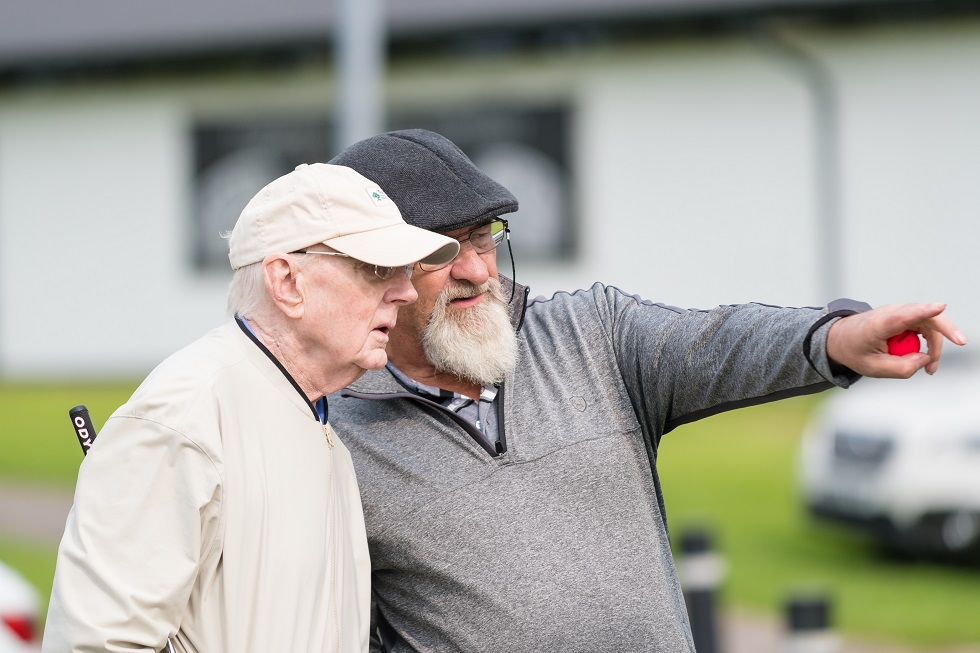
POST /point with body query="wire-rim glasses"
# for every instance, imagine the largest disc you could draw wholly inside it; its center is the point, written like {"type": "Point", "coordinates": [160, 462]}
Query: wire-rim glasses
{"type": "Point", "coordinates": [484, 238]}
{"type": "Point", "coordinates": [382, 272]}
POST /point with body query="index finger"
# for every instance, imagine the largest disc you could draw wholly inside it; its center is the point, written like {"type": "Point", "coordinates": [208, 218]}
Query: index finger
{"type": "Point", "coordinates": [925, 318]}
{"type": "Point", "coordinates": [938, 325]}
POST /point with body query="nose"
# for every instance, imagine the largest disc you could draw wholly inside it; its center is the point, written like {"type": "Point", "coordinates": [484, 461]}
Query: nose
{"type": "Point", "coordinates": [400, 290]}
{"type": "Point", "coordinates": [470, 266]}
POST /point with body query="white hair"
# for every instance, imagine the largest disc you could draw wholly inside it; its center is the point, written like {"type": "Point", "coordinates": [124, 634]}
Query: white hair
{"type": "Point", "coordinates": [247, 294]}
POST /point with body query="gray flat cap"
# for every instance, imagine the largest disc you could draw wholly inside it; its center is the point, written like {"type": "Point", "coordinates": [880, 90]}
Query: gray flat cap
{"type": "Point", "coordinates": [433, 184]}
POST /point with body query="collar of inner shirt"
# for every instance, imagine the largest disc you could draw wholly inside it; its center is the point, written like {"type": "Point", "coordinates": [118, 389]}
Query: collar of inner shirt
{"type": "Point", "coordinates": [451, 400]}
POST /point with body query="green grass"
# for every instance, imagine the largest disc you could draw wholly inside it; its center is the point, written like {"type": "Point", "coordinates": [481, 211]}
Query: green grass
{"type": "Point", "coordinates": [37, 439]}
{"type": "Point", "coordinates": [39, 447]}
{"type": "Point", "coordinates": [734, 474]}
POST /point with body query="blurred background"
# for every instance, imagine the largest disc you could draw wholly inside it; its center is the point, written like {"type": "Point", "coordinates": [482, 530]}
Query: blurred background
{"type": "Point", "coordinates": [694, 152]}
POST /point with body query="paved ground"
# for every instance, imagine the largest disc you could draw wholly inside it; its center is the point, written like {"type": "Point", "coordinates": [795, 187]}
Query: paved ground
{"type": "Point", "coordinates": [33, 513]}
{"type": "Point", "coordinates": [38, 514]}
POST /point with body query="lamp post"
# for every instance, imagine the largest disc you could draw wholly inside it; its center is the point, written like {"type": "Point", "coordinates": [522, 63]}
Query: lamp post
{"type": "Point", "coordinates": [361, 41]}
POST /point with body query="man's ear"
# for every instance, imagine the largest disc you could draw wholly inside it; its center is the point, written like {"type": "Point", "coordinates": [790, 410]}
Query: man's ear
{"type": "Point", "coordinates": [279, 271]}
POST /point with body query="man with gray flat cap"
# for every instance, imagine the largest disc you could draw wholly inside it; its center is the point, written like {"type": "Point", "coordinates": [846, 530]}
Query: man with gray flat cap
{"type": "Point", "coordinates": [507, 452]}
{"type": "Point", "coordinates": [217, 510]}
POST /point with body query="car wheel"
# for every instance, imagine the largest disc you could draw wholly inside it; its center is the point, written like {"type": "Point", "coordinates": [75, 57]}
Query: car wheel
{"type": "Point", "coordinates": [960, 532]}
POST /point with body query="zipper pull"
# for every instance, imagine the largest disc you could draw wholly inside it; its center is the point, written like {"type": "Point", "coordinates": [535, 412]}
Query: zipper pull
{"type": "Point", "coordinates": [328, 435]}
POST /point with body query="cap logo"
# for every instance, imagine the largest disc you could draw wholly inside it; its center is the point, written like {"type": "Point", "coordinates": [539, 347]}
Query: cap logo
{"type": "Point", "coordinates": [377, 196]}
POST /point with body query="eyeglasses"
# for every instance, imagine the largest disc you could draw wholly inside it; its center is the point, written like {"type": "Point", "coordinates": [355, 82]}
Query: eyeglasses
{"type": "Point", "coordinates": [382, 272]}
{"type": "Point", "coordinates": [484, 238]}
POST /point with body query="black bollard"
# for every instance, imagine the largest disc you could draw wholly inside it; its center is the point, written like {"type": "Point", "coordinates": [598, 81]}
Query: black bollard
{"type": "Point", "coordinates": [808, 625]}
{"type": "Point", "coordinates": [701, 571]}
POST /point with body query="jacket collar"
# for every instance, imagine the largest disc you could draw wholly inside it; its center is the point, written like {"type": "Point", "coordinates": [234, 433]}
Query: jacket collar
{"type": "Point", "coordinates": [518, 303]}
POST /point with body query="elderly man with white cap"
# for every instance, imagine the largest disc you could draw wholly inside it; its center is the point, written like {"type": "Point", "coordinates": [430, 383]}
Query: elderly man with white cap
{"type": "Point", "coordinates": [217, 510]}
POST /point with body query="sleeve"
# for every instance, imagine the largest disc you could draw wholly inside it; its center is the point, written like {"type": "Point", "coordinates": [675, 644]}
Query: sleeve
{"type": "Point", "coordinates": [146, 507]}
{"type": "Point", "coordinates": [683, 365]}
{"type": "Point", "coordinates": [815, 343]}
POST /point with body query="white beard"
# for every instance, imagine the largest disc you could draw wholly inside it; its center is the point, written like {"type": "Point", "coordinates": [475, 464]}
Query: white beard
{"type": "Point", "coordinates": [477, 344]}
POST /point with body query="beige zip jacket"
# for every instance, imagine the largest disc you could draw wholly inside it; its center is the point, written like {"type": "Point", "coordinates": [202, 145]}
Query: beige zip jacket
{"type": "Point", "coordinates": [214, 509]}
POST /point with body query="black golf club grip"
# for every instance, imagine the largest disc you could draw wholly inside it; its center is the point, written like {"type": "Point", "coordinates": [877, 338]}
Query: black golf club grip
{"type": "Point", "coordinates": [84, 428]}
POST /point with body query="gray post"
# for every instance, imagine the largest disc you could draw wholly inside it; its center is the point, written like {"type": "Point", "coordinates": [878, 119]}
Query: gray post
{"type": "Point", "coordinates": [361, 43]}
{"type": "Point", "coordinates": [821, 86]}
{"type": "Point", "coordinates": [701, 571]}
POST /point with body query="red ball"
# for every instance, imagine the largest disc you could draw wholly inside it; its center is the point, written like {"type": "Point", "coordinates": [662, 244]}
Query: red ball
{"type": "Point", "coordinates": [904, 343]}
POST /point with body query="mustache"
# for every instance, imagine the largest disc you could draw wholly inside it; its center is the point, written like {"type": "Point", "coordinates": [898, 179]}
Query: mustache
{"type": "Point", "coordinates": [459, 289]}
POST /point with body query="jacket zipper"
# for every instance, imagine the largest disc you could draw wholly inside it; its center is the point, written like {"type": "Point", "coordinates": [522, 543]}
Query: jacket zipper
{"type": "Point", "coordinates": [332, 512]}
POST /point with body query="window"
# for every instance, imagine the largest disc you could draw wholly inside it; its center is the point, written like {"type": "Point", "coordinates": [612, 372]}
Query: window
{"type": "Point", "coordinates": [525, 149]}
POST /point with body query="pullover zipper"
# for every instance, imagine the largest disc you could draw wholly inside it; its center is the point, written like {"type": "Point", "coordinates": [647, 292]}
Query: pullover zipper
{"type": "Point", "coordinates": [494, 451]}
{"type": "Point", "coordinates": [501, 434]}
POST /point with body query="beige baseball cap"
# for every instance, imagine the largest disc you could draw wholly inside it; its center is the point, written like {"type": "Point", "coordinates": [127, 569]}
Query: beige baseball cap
{"type": "Point", "coordinates": [336, 206]}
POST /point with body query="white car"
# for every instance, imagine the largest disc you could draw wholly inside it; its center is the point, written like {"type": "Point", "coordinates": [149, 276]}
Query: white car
{"type": "Point", "coordinates": [900, 459]}
{"type": "Point", "coordinates": [18, 613]}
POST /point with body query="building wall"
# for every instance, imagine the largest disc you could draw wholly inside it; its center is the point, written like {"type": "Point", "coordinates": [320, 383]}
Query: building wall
{"type": "Point", "coordinates": [91, 196]}
{"type": "Point", "coordinates": [692, 161]}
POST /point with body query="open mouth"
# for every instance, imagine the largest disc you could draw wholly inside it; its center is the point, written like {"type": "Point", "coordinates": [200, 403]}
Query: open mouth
{"type": "Point", "coordinates": [382, 329]}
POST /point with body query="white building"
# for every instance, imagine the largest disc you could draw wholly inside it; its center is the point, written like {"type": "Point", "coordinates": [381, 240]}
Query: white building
{"type": "Point", "coordinates": [693, 152]}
